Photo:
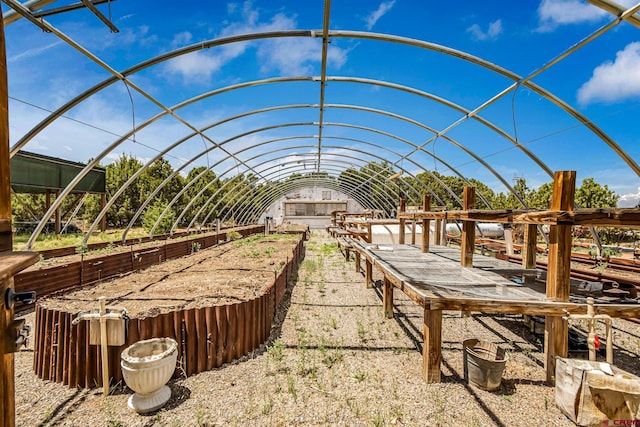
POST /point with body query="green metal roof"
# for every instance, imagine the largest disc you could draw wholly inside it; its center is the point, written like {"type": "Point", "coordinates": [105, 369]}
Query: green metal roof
{"type": "Point", "coordinates": [35, 173]}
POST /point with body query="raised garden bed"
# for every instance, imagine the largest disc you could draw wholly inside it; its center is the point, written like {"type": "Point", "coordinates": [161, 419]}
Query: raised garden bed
{"type": "Point", "coordinates": [217, 303]}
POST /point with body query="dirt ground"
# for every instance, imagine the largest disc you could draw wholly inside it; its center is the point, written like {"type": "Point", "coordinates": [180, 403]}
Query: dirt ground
{"type": "Point", "coordinates": [333, 359]}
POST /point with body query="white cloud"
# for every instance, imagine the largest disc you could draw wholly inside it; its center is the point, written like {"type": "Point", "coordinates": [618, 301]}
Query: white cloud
{"type": "Point", "coordinates": [614, 81]}
{"type": "Point", "coordinates": [553, 13]}
{"type": "Point", "coordinates": [33, 52]}
{"type": "Point", "coordinates": [374, 16]}
{"type": "Point", "coordinates": [291, 56]}
{"type": "Point", "coordinates": [295, 56]}
{"type": "Point", "coordinates": [182, 39]}
{"type": "Point", "coordinates": [492, 33]}
{"type": "Point", "coordinates": [629, 200]}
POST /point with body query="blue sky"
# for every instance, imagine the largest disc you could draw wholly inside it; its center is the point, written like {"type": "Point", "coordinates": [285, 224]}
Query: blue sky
{"type": "Point", "coordinates": [600, 80]}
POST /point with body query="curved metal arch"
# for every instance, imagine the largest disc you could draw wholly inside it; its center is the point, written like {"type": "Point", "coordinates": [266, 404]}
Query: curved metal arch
{"type": "Point", "coordinates": [257, 207]}
{"type": "Point", "coordinates": [146, 64]}
{"type": "Point", "coordinates": [187, 185]}
{"type": "Point", "coordinates": [462, 55]}
{"type": "Point", "coordinates": [502, 71]}
{"type": "Point", "coordinates": [333, 33]}
{"type": "Point", "coordinates": [451, 105]}
{"type": "Point", "coordinates": [296, 168]}
{"type": "Point", "coordinates": [283, 188]}
{"type": "Point", "coordinates": [274, 170]}
{"type": "Point", "coordinates": [170, 110]}
{"type": "Point", "coordinates": [275, 108]}
{"type": "Point", "coordinates": [378, 157]}
{"type": "Point", "coordinates": [352, 149]}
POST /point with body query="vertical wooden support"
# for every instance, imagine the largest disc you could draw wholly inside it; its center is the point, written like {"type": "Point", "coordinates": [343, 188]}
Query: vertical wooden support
{"type": "Point", "coordinates": [413, 232]}
{"type": "Point", "coordinates": [426, 207]}
{"type": "Point", "coordinates": [468, 229]}
{"type": "Point", "coordinates": [369, 238]}
{"type": "Point", "coordinates": [7, 381]}
{"type": "Point", "coordinates": [432, 348]}
{"type": "Point", "coordinates": [401, 233]}
{"type": "Point", "coordinates": [388, 298]}
{"type": "Point", "coordinates": [437, 238]}
{"type": "Point", "coordinates": [368, 274]}
{"type": "Point", "coordinates": [103, 347]}
{"type": "Point", "coordinates": [357, 262]}
{"type": "Point", "coordinates": [103, 221]}
{"type": "Point", "coordinates": [530, 247]}
{"type": "Point", "coordinates": [56, 220]}
{"type": "Point", "coordinates": [556, 335]}
{"type": "Point", "coordinates": [508, 239]}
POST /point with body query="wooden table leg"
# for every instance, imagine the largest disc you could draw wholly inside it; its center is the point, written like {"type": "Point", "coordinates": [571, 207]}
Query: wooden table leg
{"type": "Point", "coordinates": [388, 299]}
{"type": "Point", "coordinates": [357, 262]}
{"type": "Point", "coordinates": [368, 274]}
{"type": "Point", "coordinates": [432, 348]}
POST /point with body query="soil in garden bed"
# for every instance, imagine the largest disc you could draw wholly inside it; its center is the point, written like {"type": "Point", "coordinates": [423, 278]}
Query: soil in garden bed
{"type": "Point", "coordinates": [232, 272]}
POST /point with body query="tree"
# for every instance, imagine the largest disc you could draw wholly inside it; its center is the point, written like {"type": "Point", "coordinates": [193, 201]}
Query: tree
{"type": "Point", "coordinates": [594, 195]}
{"type": "Point", "coordinates": [152, 214]}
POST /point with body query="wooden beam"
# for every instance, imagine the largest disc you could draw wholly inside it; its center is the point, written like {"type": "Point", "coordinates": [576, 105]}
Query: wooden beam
{"type": "Point", "coordinates": [468, 229]}
{"type": "Point", "coordinates": [613, 217]}
{"type": "Point", "coordinates": [426, 207]}
{"type": "Point", "coordinates": [402, 209]}
{"type": "Point", "coordinates": [387, 298]}
{"type": "Point", "coordinates": [558, 271]}
{"type": "Point", "coordinates": [432, 348]}
{"type": "Point", "coordinates": [368, 274]}
{"type": "Point", "coordinates": [530, 247]}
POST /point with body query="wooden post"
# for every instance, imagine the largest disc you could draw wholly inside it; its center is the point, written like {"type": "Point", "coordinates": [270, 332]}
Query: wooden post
{"type": "Point", "coordinates": [468, 229]}
{"type": "Point", "coordinates": [357, 262]}
{"type": "Point", "coordinates": [368, 274]}
{"type": "Point", "coordinates": [56, 218]}
{"type": "Point", "coordinates": [402, 209]}
{"type": "Point", "coordinates": [508, 239]}
{"type": "Point", "coordinates": [530, 246]}
{"type": "Point", "coordinates": [103, 221]}
{"type": "Point", "coordinates": [426, 207]}
{"type": "Point", "coordinates": [556, 334]}
{"type": "Point", "coordinates": [432, 348]}
{"type": "Point", "coordinates": [369, 233]}
{"type": "Point", "coordinates": [103, 347]}
{"type": "Point", "coordinates": [388, 298]}
{"type": "Point", "coordinates": [438, 232]}
{"type": "Point", "coordinates": [413, 232]}
{"type": "Point", "coordinates": [7, 381]}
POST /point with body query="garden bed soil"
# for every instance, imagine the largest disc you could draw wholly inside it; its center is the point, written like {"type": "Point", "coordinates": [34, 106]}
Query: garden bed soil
{"type": "Point", "coordinates": [231, 272]}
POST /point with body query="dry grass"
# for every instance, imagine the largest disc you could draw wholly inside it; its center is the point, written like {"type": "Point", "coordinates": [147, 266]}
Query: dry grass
{"type": "Point", "coordinates": [332, 359]}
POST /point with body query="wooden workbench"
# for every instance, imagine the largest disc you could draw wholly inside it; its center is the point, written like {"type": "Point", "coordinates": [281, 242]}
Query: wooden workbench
{"type": "Point", "coordinates": [438, 282]}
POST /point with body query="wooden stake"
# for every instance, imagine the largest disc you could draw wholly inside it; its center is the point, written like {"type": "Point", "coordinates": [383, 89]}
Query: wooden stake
{"type": "Point", "coordinates": [388, 298]}
{"type": "Point", "coordinates": [468, 229]}
{"type": "Point", "coordinates": [401, 231]}
{"type": "Point", "coordinates": [530, 247]}
{"type": "Point", "coordinates": [103, 347]}
{"type": "Point", "coordinates": [426, 207]}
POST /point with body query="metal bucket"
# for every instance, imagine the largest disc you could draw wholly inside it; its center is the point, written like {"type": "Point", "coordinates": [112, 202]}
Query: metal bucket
{"type": "Point", "coordinates": [483, 363]}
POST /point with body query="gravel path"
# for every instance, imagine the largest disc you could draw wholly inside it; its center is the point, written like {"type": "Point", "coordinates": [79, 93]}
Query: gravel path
{"type": "Point", "coordinates": [332, 360]}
